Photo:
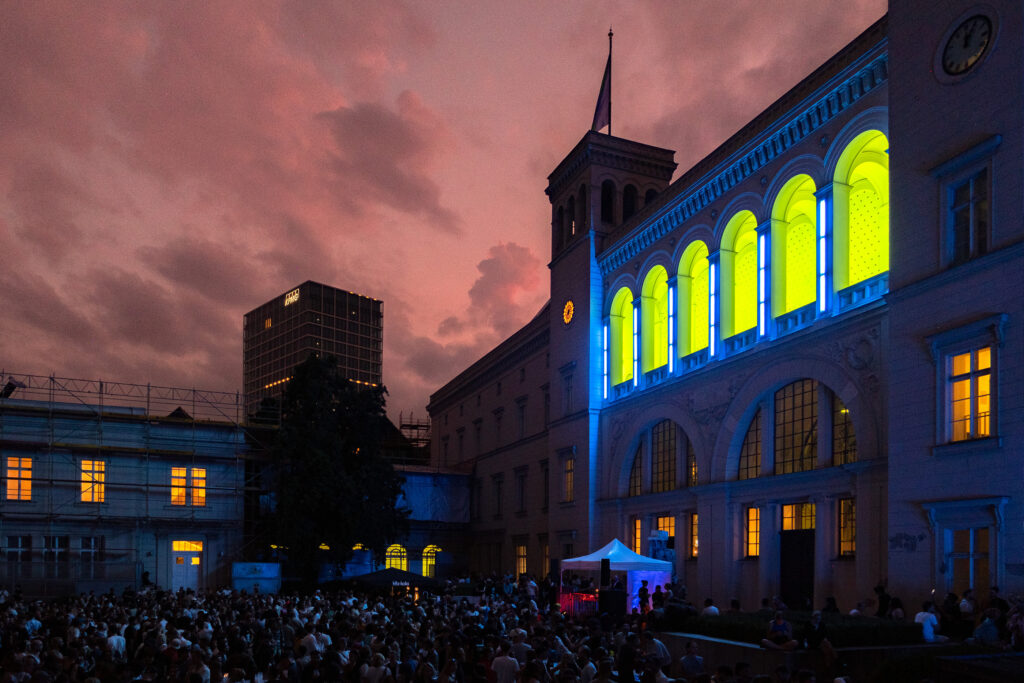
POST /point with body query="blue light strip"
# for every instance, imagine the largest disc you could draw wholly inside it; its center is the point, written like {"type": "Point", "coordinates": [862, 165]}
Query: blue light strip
{"type": "Point", "coordinates": [712, 307]}
{"type": "Point", "coordinates": [636, 343]}
{"type": "Point", "coordinates": [604, 356]}
{"type": "Point", "coordinates": [762, 291]}
{"type": "Point", "coordinates": [671, 329]}
{"type": "Point", "coordinates": [822, 254]}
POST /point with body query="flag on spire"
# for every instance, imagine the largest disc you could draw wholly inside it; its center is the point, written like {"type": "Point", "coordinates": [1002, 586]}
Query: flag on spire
{"type": "Point", "coordinates": [603, 111]}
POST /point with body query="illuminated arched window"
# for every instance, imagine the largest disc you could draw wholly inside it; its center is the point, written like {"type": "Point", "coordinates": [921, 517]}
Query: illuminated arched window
{"type": "Point", "coordinates": [359, 546]}
{"type": "Point", "coordinates": [430, 560]}
{"type": "Point", "coordinates": [794, 235]}
{"type": "Point", "coordinates": [750, 451]}
{"type": "Point", "coordinates": [620, 323]}
{"type": "Point", "coordinates": [860, 199]}
{"type": "Point", "coordinates": [844, 441]}
{"type": "Point", "coordinates": [739, 274]}
{"type": "Point", "coordinates": [654, 319]}
{"type": "Point", "coordinates": [796, 427]}
{"type": "Point", "coordinates": [395, 557]}
{"type": "Point", "coordinates": [663, 456]}
{"type": "Point", "coordinates": [694, 290]}
{"type": "Point", "coordinates": [636, 473]}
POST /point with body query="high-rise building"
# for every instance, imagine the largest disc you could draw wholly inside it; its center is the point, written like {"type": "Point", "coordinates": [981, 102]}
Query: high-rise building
{"type": "Point", "coordinates": [310, 319]}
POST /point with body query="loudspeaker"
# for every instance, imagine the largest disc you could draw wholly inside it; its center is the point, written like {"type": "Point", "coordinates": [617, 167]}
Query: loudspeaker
{"type": "Point", "coordinates": [612, 603]}
{"type": "Point", "coordinates": [606, 572]}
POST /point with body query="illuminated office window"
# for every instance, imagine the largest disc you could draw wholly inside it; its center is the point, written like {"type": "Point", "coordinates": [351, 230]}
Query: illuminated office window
{"type": "Point", "coordinates": [798, 517]}
{"type": "Point", "coordinates": [753, 532]}
{"type": "Point", "coordinates": [188, 483]}
{"type": "Point", "coordinates": [520, 559]}
{"type": "Point", "coordinates": [638, 538]}
{"type": "Point", "coordinates": [19, 478]}
{"type": "Point", "coordinates": [970, 394]}
{"type": "Point", "coordinates": [694, 535]}
{"type": "Point", "coordinates": [667, 523]}
{"type": "Point", "coordinates": [94, 476]}
{"type": "Point", "coordinates": [179, 485]}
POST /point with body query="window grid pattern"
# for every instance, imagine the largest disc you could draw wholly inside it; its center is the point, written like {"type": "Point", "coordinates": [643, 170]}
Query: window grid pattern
{"type": "Point", "coordinates": [798, 517]}
{"type": "Point", "coordinates": [694, 536]}
{"type": "Point", "coordinates": [94, 476]}
{"type": "Point", "coordinates": [663, 456]}
{"type": "Point", "coordinates": [19, 478]}
{"type": "Point", "coordinates": [796, 427]}
{"type": "Point", "coordinates": [430, 560]}
{"type": "Point", "coordinates": [753, 532]}
{"type": "Point", "coordinates": [520, 559]}
{"type": "Point", "coordinates": [568, 480]}
{"type": "Point", "coordinates": [691, 464]}
{"type": "Point", "coordinates": [847, 527]}
{"type": "Point", "coordinates": [750, 451]}
{"type": "Point", "coordinates": [667, 523]}
{"type": "Point", "coordinates": [970, 379]}
{"type": "Point", "coordinates": [969, 215]}
{"type": "Point", "coordinates": [638, 538]}
{"type": "Point", "coordinates": [844, 441]}
{"type": "Point", "coordinates": [395, 557]}
{"type": "Point", "coordinates": [636, 479]}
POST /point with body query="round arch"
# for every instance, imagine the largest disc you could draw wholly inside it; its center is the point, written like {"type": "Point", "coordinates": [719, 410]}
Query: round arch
{"type": "Point", "coordinates": [860, 209]}
{"type": "Point", "coordinates": [693, 286]}
{"type": "Point", "coordinates": [620, 333]}
{"type": "Point", "coordinates": [654, 320]}
{"type": "Point", "coordinates": [395, 557]}
{"type": "Point", "coordinates": [793, 245]}
{"type": "Point", "coordinates": [738, 280]}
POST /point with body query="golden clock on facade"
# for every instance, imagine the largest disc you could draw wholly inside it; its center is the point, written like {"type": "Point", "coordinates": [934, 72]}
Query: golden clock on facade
{"type": "Point", "coordinates": [567, 311]}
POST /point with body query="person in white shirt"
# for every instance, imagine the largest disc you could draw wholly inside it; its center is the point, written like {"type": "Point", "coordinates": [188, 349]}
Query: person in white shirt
{"type": "Point", "coordinates": [504, 666]}
{"type": "Point", "coordinates": [929, 623]}
{"type": "Point", "coordinates": [709, 609]}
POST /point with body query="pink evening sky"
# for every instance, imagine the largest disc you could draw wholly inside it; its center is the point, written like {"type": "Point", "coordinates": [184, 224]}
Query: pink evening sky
{"type": "Point", "coordinates": [167, 166]}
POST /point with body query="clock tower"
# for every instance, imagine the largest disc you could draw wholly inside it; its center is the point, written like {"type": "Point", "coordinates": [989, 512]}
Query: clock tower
{"type": "Point", "coordinates": [596, 193]}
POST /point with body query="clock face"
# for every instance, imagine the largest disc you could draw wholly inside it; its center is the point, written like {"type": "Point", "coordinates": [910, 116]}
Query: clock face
{"type": "Point", "coordinates": [967, 44]}
{"type": "Point", "coordinates": [567, 312]}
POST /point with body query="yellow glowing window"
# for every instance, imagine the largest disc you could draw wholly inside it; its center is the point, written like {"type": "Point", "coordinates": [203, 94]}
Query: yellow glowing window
{"type": "Point", "coordinates": [739, 274]}
{"type": "Point", "coordinates": [187, 546]}
{"type": "Point", "coordinates": [794, 252]}
{"type": "Point", "coordinates": [430, 560]}
{"type": "Point", "coordinates": [970, 394]}
{"type": "Point", "coordinates": [19, 478]}
{"type": "Point", "coordinates": [179, 482]}
{"type": "Point", "coordinates": [694, 299]}
{"type": "Point", "coordinates": [179, 560]}
{"type": "Point", "coordinates": [694, 536]}
{"type": "Point", "coordinates": [654, 319]}
{"type": "Point", "coordinates": [198, 486]}
{"type": "Point", "coordinates": [359, 546]}
{"type": "Point", "coordinates": [861, 210]}
{"type": "Point", "coordinates": [568, 480]}
{"type": "Point", "coordinates": [195, 560]}
{"type": "Point", "coordinates": [520, 559]}
{"type": "Point", "coordinates": [753, 532]}
{"type": "Point", "coordinates": [395, 557]}
{"type": "Point", "coordinates": [267, 324]}
{"type": "Point", "coordinates": [638, 538]}
{"type": "Point", "coordinates": [847, 527]}
{"type": "Point", "coordinates": [620, 323]}
{"type": "Point", "coordinates": [798, 517]}
{"type": "Point", "coordinates": [94, 477]}
{"type": "Point", "coordinates": [667, 523]}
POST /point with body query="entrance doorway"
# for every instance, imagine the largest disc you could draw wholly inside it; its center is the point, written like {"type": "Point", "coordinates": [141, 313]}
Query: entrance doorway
{"type": "Point", "coordinates": [796, 556]}
{"type": "Point", "coordinates": [186, 564]}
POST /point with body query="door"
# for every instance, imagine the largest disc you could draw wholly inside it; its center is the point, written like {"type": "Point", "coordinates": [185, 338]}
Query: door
{"type": "Point", "coordinates": [796, 568]}
{"type": "Point", "coordinates": [186, 564]}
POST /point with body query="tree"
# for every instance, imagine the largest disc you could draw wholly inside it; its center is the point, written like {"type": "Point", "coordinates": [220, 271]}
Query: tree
{"type": "Point", "coordinates": [334, 487]}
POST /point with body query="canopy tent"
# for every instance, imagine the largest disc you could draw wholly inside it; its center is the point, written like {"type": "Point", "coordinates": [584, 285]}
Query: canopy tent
{"type": "Point", "coordinates": [621, 559]}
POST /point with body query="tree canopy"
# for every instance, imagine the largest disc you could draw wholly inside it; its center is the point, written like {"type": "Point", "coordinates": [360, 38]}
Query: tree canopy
{"type": "Point", "coordinates": [335, 489]}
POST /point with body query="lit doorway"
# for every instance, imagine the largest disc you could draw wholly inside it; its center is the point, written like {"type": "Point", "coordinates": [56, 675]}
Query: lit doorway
{"type": "Point", "coordinates": [186, 564]}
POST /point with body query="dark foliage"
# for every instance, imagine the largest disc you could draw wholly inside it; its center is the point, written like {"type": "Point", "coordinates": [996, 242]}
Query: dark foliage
{"type": "Point", "coordinates": [335, 489]}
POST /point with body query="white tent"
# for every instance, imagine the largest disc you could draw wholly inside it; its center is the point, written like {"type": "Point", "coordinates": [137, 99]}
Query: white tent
{"type": "Point", "coordinates": [621, 559]}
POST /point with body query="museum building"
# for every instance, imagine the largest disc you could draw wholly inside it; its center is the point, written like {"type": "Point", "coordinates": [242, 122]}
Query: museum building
{"type": "Point", "coordinates": [801, 359]}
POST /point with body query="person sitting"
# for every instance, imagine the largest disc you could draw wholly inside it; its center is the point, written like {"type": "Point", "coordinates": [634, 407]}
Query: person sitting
{"type": "Point", "coordinates": [780, 634]}
{"type": "Point", "coordinates": [709, 609]}
{"type": "Point", "coordinates": [929, 623]}
{"type": "Point", "coordinates": [987, 632]}
{"type": "Point", "coordinates": [816, 638]}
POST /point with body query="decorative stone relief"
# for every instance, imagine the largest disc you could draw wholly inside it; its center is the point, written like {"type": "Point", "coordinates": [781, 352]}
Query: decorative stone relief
{"type": "Point", "coordinates": [905, 542]}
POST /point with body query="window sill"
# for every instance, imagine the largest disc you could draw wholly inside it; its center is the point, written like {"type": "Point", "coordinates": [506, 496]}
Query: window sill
{"type": "Point", "coordinates": [968, 447]}
{"type": "Point", "coordinates": [567, 504]}
{"type": "Point", "coordinates": [845, 558]}
{"type": "Point", "coordinates": [750, 558]}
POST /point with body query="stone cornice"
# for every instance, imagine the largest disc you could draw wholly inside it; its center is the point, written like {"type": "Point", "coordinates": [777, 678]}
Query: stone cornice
{"type": "Point", "coordinates": [610, 152]}
{"type": "Point", "coordinates": [755, 155]}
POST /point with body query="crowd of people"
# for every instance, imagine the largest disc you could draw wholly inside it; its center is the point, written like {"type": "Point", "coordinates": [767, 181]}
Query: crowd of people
{"type": "Point", "coordinates": [514, 633]}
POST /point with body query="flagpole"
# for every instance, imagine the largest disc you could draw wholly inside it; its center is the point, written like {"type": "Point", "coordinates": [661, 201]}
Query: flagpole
{"type": "Point", "coordinates": [610, 34]}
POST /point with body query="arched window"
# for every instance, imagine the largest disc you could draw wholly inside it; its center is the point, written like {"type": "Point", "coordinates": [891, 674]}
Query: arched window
{"type": "Point", "coordinates": [649, 196]}
{"type": "Point", "coordinates": [620, 331]}
{"type": "Point", "coordinates": [663, 456]}
{"type": "Point", "coordinates": [559, 227]}
{"type": "Point", "coordinates": [739, 274]}
{"type": "Point", "coordinates": [794, 235]}
{"type": "Point", "coordinates": [629, 197]}
{"type": "Point", "coordinates": [860, 200]}
{"type": "Point", "coordinates": [430, 560]}
{"type": "Point", "coordinates": [636, 473]}
{"type": "Point", "coordinates": [581, 209]}
{"type": "Point", "coordinates": [570, 218]}
{"type": "Point", "coordinates": [796, 427]}
{"type": "Point", "coordinates": [654, 319]}
{"type": "Point", "coordinates": [691, 464]}
{"type": "Point", "coordinates": [750, 451]}
{"type": "Point", "coordinates": [395, 557]}
{"type": "Point", "coordinates": [844, 441]}
{"type": "Point", "coordinates": [694, 290]}
{"type": "Point", "coordinates": [607, 202]}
